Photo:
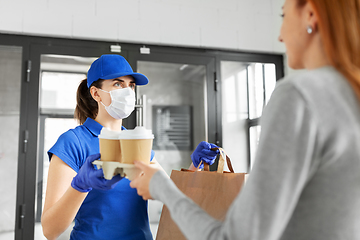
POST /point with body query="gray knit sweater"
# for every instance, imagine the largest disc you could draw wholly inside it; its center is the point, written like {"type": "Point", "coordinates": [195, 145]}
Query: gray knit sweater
{"type": "Point", "coordinates": [305, 182]}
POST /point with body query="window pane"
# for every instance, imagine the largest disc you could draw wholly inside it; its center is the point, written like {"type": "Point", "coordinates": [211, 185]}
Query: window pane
{"type": "Point", "coordinates": [60, 77]}
{"type": "Point", "coordinates": [235, 112]}
{"type": "Point", "coordinates": [246, 88]}
{"type": "Point", "coordinates": [254, 141]}
{"type": "Point", "coordinates": [58, 90]}
{"type": "Point", "coordinates": [256, 90]}
{"type": "Point", "coordinates": [270, 79]}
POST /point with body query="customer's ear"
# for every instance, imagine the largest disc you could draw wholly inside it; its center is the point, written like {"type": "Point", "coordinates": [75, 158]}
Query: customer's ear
{"type": "Point", "coordinates": [310, 16]}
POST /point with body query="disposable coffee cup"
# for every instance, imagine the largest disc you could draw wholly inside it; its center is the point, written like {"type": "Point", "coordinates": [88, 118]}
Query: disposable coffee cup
{"type": "Point", "coordinates": [109, 145]}
{"type": "Point", "coordinates": [136, 145]}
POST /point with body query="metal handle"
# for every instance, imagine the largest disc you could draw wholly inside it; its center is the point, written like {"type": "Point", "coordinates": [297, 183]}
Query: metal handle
{"type": "Point", "coordinates": [141, 111]}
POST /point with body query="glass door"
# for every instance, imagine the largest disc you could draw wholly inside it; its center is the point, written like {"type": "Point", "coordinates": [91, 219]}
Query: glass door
{"type": "Point", "coordinates": [10, 94]}
{"type": "Point", "coordinates": [175, 106]}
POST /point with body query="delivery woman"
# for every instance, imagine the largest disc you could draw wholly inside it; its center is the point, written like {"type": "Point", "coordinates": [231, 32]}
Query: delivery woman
{"type": "Point", "coordinates": [305, 182]}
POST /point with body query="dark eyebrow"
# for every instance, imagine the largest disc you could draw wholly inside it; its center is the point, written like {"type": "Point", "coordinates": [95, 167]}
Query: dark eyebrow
{"type": "Point", "coordinates": [121, 80]}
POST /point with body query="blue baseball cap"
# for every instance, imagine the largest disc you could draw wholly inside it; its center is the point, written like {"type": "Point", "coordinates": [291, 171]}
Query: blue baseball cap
{"type": "Point", "coordinates": [110, 66]}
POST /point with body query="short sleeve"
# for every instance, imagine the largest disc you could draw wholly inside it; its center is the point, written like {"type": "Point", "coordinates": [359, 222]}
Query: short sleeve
{"type": "Point", "coordinates": [67, 148]}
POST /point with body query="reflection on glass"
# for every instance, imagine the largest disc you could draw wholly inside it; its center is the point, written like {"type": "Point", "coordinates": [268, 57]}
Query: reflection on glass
{"type": "Point", "coordinates": [246, 88]}
{"type": "Point", "coordinates": [10, 88]}
{"type": "Point", "coordinates": [172, 128]}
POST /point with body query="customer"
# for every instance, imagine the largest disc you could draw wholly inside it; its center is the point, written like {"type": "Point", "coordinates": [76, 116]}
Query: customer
{"type": "Point", "coordinates": [305, 183]}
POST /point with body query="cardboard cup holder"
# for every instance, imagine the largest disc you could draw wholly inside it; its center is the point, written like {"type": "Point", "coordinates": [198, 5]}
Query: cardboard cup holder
{"type": "Point", "coordinates": [112, 168]}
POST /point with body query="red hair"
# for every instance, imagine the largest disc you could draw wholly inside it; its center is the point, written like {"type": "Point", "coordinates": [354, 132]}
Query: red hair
{"type": "Point", "coordinates": [339, 27]}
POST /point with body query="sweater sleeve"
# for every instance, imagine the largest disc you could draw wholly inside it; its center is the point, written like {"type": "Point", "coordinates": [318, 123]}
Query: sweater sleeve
{"type": "Point", "coordinates": [283, 165]}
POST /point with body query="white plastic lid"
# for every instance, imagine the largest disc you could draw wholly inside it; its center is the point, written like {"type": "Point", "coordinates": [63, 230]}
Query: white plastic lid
{"type": "Point", "coordinates": [109, 134]}
{"type": "Point", "coordinates": [136, 133]}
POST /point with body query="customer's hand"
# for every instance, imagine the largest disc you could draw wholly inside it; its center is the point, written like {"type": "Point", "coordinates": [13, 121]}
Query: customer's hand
{"type": "Point", "coordinates": [203, 153]}
{"type": "Point", "coordinates": [89, 178]}
{"type": "Point", "coordinates": [142, 182]}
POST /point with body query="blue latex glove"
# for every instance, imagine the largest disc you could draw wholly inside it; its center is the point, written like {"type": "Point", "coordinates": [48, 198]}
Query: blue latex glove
{"type": "Point", "coordinates": [89, 178]}
{"type": "Point", "coordinates": [203, 153]}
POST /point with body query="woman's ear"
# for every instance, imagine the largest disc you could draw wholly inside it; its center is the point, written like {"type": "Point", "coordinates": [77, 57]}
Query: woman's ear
{"type": "Point", "coordinates": [311, 17]}
{"type": "Point", "coordinates": [95, 94]}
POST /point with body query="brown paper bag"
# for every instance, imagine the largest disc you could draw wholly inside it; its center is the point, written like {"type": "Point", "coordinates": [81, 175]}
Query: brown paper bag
{"type": "Point", "coordinates": [212, 191]}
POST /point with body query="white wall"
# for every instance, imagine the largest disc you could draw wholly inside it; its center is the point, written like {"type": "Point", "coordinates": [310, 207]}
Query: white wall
{"type": "Point", "coordinates": [250, 25]}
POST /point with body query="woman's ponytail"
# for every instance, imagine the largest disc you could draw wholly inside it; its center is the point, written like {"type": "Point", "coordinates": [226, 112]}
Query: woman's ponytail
{"type": "Point", "coordinates": [86, 106]}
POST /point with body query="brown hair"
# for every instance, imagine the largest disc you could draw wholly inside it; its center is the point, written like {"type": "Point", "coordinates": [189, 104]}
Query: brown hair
{"type": "Point", "coordinates": [86, 106]}
{"type": "Point", "coordinates": [339, 27]}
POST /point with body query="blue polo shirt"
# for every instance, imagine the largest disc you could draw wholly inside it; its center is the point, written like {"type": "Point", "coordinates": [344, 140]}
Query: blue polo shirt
{"type": "Point", "coordinates": [119, 213]}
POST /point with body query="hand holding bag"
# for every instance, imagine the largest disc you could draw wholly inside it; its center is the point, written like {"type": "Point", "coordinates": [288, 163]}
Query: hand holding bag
{"type": "Point", "coordinates": [212, 191]}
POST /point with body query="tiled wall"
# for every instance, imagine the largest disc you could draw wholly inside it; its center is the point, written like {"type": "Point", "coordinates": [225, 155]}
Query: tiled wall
{"type": "Point", "coordinates": [250, 25]}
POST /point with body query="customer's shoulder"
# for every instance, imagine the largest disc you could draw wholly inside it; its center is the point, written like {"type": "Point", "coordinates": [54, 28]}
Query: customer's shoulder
{"type": "Point", "coordinates": [311, 81]}
{"type": "Point", "coordinates": [319, 77]}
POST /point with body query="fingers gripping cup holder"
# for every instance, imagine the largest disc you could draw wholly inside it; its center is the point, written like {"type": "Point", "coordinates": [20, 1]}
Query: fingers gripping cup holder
{"type": "Point", "coordinates": [119, 150]}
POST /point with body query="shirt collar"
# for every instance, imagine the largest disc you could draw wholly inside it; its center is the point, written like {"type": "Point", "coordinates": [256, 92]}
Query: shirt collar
{"type": "Point", "coordinates": [94, 127]}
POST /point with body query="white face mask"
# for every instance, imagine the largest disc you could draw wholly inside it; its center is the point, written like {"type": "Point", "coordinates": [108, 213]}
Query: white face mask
{"type": "Point", "coordinates": [122, 102]}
